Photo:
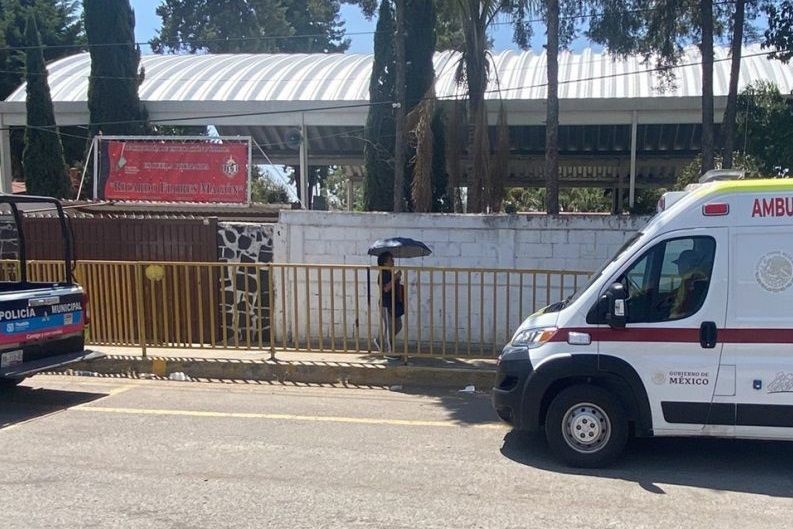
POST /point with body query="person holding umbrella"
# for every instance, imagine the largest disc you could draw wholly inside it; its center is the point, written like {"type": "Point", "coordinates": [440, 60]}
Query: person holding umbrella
{"type": "Point", "coordinates": [392, 300]}
{"type": "Point", "coordinates": [392, 291]}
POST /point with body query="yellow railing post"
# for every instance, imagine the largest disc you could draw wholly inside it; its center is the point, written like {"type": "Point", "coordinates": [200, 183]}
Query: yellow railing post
{"type": "Point", "coordinates": [271, 308]}
{"type": "Point", "coordinates": [139, 290]}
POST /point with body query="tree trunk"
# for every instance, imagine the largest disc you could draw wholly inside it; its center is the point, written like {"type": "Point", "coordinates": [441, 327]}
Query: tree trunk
{"type": "Point", "coordinates": [708, 140]}
{"type": "Point", "coordinates": [399, 142]}
{"type": "Point", "coordinates": [728, 125]}
{"type": "Point", "coordinates": [552, 118]}
{"type": "Point", "coordinates": [476, 78]}
{"type": "Point", "coordinates": [500, 166]}
{"type": "Point", "coordinates": [454, 123]}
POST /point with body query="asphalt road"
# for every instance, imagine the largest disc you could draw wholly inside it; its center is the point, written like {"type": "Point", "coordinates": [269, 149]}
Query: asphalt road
{"type": "Point", "coordinates": [103, 452]}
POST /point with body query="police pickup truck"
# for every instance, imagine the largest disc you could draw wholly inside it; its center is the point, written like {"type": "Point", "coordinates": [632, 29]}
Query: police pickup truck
{"type": "Point", "coordinates": [41, 324]}
{"type": "Point", "coordinates": [687, 331]}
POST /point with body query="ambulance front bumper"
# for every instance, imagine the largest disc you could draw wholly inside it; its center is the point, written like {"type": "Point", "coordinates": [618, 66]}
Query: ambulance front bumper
{"type": "Point", "coordinates": [514, 370]}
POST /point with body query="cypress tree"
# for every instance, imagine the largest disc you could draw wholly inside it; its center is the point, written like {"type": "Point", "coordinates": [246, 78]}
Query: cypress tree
{"type": "Point", "coordinates": [113, 100]}
{"type": "Point", "coordinates": [42, 159]}
{"type": "Point", "coordinates": [420, 42]}
{"type": "Point", "coordinates": [380, 125]}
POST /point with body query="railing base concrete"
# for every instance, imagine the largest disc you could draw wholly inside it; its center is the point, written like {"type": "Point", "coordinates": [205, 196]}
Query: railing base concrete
{"type": "Point", "coordinates": [294, 372]}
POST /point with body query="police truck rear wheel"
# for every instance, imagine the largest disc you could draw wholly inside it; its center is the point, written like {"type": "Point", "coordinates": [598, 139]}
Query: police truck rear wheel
{"type": "Point", "coordinates": [8, 383]}
{"type": "Point", "coordinates": [505, 415]}
{"type": "Point", "coordinates": [586, 426]}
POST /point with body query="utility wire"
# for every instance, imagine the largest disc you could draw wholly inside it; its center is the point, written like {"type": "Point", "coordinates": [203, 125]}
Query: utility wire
{"type": "Point", "coordinates": [602, 58]}
{"type": "Point", "coordinates": [265, 38]}
{"type": "Point", "coordinates": [614, 75]}
{"type": "Point", "coordinates": [391, 103]}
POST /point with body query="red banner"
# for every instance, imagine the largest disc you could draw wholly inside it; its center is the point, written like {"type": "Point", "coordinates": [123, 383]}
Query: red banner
{"type": "Point", "coordinates": [173, 171]}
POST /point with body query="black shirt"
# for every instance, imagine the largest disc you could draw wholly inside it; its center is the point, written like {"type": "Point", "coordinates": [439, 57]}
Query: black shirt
{"type": "Point", "coordinates": [385, 297]}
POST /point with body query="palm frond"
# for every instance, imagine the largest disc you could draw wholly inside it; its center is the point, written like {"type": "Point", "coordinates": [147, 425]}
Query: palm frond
{"type": "Point", "coordinates": [421, 188]}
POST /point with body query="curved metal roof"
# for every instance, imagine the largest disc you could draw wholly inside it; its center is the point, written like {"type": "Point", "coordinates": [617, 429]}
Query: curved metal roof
{"type": "Point", "coordinates": [337, 77]}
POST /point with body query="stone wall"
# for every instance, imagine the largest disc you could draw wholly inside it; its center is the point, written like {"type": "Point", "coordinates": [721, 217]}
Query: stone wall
{"type": "Point", "coordinates": [245, 289]}
{"type": "Point", "coordinates": [9, 242]}
{"type": "Point", "coordinates": [9, 249]}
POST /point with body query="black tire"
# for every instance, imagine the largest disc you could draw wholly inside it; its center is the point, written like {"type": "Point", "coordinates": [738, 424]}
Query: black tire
{"type": "Point", "coordinates": [594, 415]}
{"type": "Point", "coordinates": [10, 383]}
{"type": "Point", "coordinates": [504, 416]}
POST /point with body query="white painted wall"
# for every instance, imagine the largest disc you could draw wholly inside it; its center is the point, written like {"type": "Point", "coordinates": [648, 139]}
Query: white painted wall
{"type": "Point", "coordinates": [569, 242]}
{"type": "Point", "coordinates": [491, 242]}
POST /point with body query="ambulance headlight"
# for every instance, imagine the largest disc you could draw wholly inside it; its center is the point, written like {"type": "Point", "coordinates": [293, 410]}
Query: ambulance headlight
{"type": "Point", "coordinates": [532, 338]}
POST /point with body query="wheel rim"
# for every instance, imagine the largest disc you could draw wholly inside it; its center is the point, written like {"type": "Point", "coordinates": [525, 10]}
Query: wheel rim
{"type": "Point", "coordinates": [586, 428]}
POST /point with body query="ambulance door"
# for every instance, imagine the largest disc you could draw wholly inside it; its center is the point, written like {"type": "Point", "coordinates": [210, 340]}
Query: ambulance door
{"type": "Point", "coordinates": [758, 348]}
{"type": "Point", "coordinates": [677, 297]}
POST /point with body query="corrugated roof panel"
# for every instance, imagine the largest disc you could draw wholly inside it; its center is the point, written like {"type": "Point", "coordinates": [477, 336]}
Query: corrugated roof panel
{"type": "Point", "coordinates": [360, 72]}
{"type": "Point", "coordinates": [229, 77]}
{"type": "Point", "coordinates": [338, 77]}
{"type": "Point", "coordinates": [165, 69]}
{"type": "Point", "coordinates": [69, 80]}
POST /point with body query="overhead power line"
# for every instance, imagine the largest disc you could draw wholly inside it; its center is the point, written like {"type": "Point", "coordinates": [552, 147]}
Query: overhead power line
{"type": "Point", "coordinates": [321, 108]}
{"type": "Point", "coordinates": [154, 77]}
{"type": "Point", "coordinates": [201, 43]}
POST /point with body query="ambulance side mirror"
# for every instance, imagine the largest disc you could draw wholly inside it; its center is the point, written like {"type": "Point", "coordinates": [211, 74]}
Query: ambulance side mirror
{"type": "Point", "coordinates": [616, 307]}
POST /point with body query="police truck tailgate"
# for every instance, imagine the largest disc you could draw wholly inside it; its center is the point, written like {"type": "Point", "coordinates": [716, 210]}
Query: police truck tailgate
{"type": "Point", "coordinates": [41, 328]}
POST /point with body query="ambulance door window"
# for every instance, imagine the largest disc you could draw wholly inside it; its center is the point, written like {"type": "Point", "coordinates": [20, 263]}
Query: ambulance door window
{"type": "Point", "coordinates": [670, 281]}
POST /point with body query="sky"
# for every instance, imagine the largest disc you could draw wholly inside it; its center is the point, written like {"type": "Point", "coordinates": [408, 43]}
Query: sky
{"type": "Point", "coordinates": [147, 24]}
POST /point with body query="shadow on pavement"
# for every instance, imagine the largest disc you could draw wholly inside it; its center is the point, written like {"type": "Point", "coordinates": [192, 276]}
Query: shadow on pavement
{"type": "Point", "coordinates": [463, 408]}
{"type": "Point", "coordinates": [397, 359]}
{"type": "Point", "coordinates": [754, 467]}
{"type": "Point", "coordinates": [23, 403]}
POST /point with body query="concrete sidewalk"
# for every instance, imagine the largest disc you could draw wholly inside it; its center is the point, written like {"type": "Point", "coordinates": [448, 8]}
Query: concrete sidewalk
{"type": "Point", "coordinates": [292, 367]}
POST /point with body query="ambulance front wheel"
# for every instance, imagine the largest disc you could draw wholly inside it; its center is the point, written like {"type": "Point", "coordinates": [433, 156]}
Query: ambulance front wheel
{"type": "Point", "coordinates": [586, 426]}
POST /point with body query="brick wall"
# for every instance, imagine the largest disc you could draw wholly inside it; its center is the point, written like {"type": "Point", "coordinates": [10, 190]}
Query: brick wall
{"type": "Point", "coordinates": [506, 242]}
{"type": "Point", "coordinates": [569, 242]}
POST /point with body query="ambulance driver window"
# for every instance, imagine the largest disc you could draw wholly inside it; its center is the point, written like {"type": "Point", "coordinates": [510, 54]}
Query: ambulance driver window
{"type": "Point", "coordinates": [670, 281]}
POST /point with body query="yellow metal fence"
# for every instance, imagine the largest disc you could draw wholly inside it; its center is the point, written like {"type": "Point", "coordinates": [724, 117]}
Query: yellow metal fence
{"type": "Point", "coordinates": [452, 312]}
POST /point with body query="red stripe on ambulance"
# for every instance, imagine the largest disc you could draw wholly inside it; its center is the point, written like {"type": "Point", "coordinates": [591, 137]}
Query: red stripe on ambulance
{"type": "Point", "coordinates": [679, 335]}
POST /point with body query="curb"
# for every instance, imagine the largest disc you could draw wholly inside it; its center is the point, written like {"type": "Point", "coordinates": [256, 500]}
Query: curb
{"type": "Point", "coordinates": [336, 373]}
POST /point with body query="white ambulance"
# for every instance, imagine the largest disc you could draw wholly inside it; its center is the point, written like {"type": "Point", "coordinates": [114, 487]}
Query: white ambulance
{"type": "Point", "coordinates": [687, 331]}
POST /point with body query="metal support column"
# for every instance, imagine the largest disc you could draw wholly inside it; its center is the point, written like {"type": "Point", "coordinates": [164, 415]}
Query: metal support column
{"type": "Point", "coordinates": [5, 158]}
{"type": "Point", "coordinates": [97, 142]}
{"type": "Point", "coordinates": [619, 191]}
{"type": "Point", "coordinates": [350, 194]}
{"type": "Point", "coordinates": [634, 133]}
{"type": "Point", "coordinates": [303, 162]}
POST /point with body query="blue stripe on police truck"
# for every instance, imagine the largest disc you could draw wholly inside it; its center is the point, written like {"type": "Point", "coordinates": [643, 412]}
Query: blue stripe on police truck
{"type": "Point", "coordinates": [41, 323]}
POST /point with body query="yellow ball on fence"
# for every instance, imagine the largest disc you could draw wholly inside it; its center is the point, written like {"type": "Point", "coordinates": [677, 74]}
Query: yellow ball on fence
{"type": "Point", "coordinates": [155, 273]}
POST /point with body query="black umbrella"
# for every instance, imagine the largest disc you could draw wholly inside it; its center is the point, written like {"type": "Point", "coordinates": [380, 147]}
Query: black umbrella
{"type": "Point", "coordinates": [400, 248]}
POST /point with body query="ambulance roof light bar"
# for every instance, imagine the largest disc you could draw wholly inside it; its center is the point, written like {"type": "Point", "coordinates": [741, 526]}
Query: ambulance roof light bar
{"type": "Point", "coordinates": [714, 175]}
{"type": "Point", "coordinates": [718, 175]}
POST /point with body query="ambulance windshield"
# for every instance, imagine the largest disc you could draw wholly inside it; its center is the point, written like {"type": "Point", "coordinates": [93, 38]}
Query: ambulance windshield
{"type": "Point", "coordinates": [624, 248]}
